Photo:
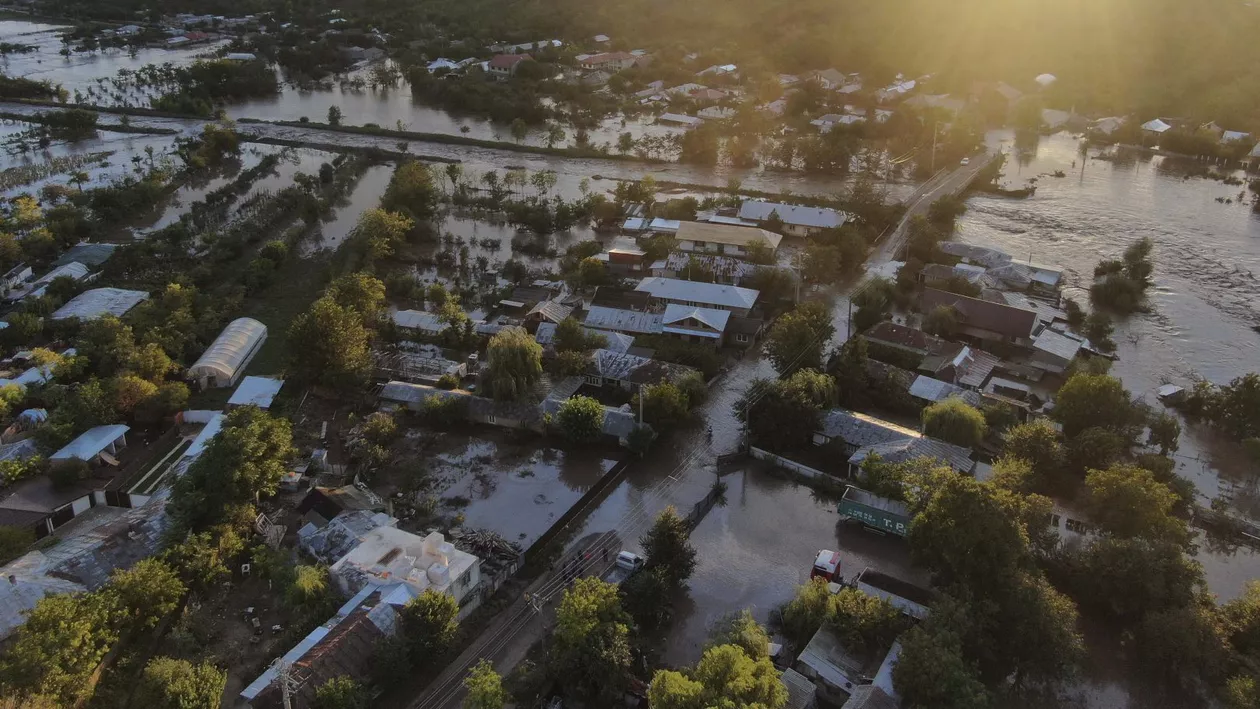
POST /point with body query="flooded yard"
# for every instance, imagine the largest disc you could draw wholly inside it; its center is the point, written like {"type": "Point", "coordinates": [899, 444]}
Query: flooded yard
{"type": "Point", "coordinates": [515, 486]}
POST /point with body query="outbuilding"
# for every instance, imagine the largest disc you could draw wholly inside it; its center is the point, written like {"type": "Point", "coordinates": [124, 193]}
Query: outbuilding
{"type": "Point", "coordinates": [226, 358]}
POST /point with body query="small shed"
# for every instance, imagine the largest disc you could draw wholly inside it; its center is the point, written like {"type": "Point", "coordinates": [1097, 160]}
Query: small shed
{"type": "Point", "coordinates": [226, 358]}
{"type": "Point", "coordinates": [99, 444]}
{"type": "Point", "coordinates": [256, 391]}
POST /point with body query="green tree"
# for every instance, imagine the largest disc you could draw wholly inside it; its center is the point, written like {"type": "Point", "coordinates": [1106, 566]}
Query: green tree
{"type": "Point", "coordinates": [334, 115]}
{"type": "Point", "coordinates": [648, 596]}
{"type": "Point", "coordinates": [864, 623]}
{"type": "Point", "coordinates": [1184, 646]}
{"type": "Point", "coordinates": [807, 611]}
{"type": "Point", "coordinates": [1094, 400]}
{"type": "Point", "coordinates": [1131, 578]}
{"type": "Point", "coordinates": [784, 414]}
{"type": "Point", "coordinates": [519, 130]}
{"type": "Point", "coordinates": [743, 631]}
{"type": "Point", "coordinates": [179, 684]}
{"type": "Point", "coordinates": [382, 232]}
{"type": "Point", "coordinates": [61, 643]}
{"type": "Point", "coordinates": [1165, 432]}
{"type": "Point", "coordinates": [664, 405]}
{"type": "Point", "coordinates": [725, 677]}
{"type": "Point", "coordinates": [515, 364]}
{"type": "Point", "coordinates": [572, 337]}
{"type": "Point", "coordinates": [329, 344]}
{"type": "Point", "coordinates": [942, 321]}
{"type": "Point", "coordinates": [14, 541]}
{"type": "Point", "coordinates": [428, 624]}
{"type": "Point", "coordinates": [581, 418]}
{"type": "Point", "coordinates": [341, 692]}
{"type": "Point", "coordinates": [1127, 501]}
{"type": "Point", "coordinates": [485, 688]}
{"type": "Point", "coordinates": [360, 292]}
{"type": "Point", "coordinates": [797, 338]}
{"type": "Point", "coordinates": [411, 192]}
{"type": "Point", "coordinates": [955, 421]}
{"type": "Point", "coordinates": [243, 463]}
{"type": "Point", "coordinates": [961, 516]}
{"type": "Point", "coordinates": [665, 545]}
{"type": "Point", "coordinates": [591, 641]}
{"type": "Point", "coordinates": [932, 673]}
{"type": "Point", "coordinates": [146, 593]}
{"type": "Point", "coordinates": [1038, 443]}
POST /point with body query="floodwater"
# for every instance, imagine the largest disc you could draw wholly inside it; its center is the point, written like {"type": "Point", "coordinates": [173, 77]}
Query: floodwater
{"type": "Point", "coordinates": [81, 70]}
{"type": "Point", "coordinates": [514, 490]}
{"type": "Point", "coordinates": [1206, 296]}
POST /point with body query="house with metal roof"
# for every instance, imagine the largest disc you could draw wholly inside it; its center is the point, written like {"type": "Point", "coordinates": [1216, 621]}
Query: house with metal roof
{"type": "Point", "coordinates": [613, 341]}
{"type": "Point", "coordinates": [629, 372]}
{"type": "Point", "coordinates": [859, 436]}
{"type": "Point", "coordinates": [85, 555]}
{"type": "Point", "coordinates": [1053, 351]}
{"type": "Point", "coordinates": [723, 239]}
{"type": "Point", "coordinates": [694, 324]}
{"type": "Point", "coordinates": [225, 360]}
{"type": "Point", "coordinates": [982, 319]}
{"type": "Point", "coordinates": [796, 220]}
{"type": "Point", "coordinates": [95, 445]}
{"type": "Point", "coordinates": [345, 645]}
{"type": "Point", "coordinates": [630, 322]}
{"type": "Point", "coordinates": [666, 291]}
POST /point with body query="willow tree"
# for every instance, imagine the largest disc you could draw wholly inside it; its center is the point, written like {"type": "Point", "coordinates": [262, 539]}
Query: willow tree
{"type": "Point", "coordinates": [515, 364]}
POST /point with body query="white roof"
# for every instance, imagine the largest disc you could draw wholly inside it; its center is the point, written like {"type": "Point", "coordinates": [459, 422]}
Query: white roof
{"type": "Point", "coordinates": [1231, 136]}
{"type": "Point", "coordinates": [659, 224]}
{"type": "Point", "coordinates": [930, 389]}
{"type": "Point", "coordinates": [211, 429]}
{"type": "Point", "coordinates": [672, 289]}
{"type": "Point", "coordinates": [241, 56]}
{"type": "Point", "coordinates": [792, 214]}
{"type": "Point", "coordinates": [710, 317]}
{"type": "Point", "coordinates": [74, 270]}
{"type": "Point", "coordinates": [1046, 79]}
{"type": "Point", "coordinates": [719, 233]}
{"type": "Point", "coordinates": [98, 302]}
{"type": "Point", "coordinates": [679, 118]}
{"type": "Point", "coordinates": [91, 442]}
{"type": "Point", "coordinates": [256, 391]}
{"type": "Point", "coordinates": [1156, 126]}
{"type": "Point", "coordinates": [418, 320]}
{"type": "Point", "coordinates": [230, 349]}
{"type": "Point", "coordinates": [1057, 344]}
{"type": "Point", "coordinates": [633, 224]}
{"type": "Point", "coordinates": [604, 318]}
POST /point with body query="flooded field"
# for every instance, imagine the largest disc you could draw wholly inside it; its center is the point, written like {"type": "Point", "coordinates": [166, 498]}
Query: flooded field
{"type": "Point", "coordinates": [517, 489]}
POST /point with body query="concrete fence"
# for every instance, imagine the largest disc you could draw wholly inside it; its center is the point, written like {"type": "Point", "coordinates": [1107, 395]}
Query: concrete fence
{"type": "Point", "coordinates": [792, 465]}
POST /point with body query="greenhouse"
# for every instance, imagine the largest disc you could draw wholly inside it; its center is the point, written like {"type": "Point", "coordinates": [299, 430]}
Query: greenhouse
{"type": "Point", "coordinates": [226, 358]}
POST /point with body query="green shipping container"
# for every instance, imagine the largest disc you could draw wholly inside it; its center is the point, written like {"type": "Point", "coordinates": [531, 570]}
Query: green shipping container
{"type": "Point", "coordinates": [874, 511]}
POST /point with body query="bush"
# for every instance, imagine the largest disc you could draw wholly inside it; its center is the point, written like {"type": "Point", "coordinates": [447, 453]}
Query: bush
{"type": "Point", "coordinates": [582, 419]}
{"type": "Point", "coordinates": [448, 382]}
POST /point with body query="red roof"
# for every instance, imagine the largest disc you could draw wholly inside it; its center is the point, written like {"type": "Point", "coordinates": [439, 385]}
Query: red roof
{"type": "Point", "coordinates": [507, 61]}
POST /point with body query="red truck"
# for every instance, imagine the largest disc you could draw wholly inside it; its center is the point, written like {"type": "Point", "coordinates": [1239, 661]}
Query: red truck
{"type": "Point", "coordinates": [826, 566]}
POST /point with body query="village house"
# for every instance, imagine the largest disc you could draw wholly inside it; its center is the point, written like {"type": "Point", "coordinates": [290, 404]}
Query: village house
{"type": "Point", "coordinates": [723, 239]}
{"type": "Point", "coordinates": [984, 320]}
{"type": "Point", "coordinates": [625, 262]}
{"type": "Point", "coordinates": [41, 506]}
{"type": "Point", "coordinates": [669, 291]}
{"type": "Point", "coordinates": [86, 553]}
{"type": "Point", "coordinates": [608, 368]}
{"type": "Point", "coordinates": [829, 79]}
{"type": "Point", "coordinates": [623, 320]}
{"type": "Point", "coordinates": [608, 61]}
{"type": "Point", "coordinates": [796, 220]}
{"type": "Point", "coordinates": [860, 436]}
{"type": "Point", "coordinates": [504, 66]}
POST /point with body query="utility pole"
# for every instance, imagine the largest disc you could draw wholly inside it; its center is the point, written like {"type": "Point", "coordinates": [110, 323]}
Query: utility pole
{"type": "Point", "coordinates": [933, 170]}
